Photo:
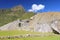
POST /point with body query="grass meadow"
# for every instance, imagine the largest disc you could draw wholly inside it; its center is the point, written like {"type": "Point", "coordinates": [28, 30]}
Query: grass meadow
{"type": "Point", "coordinates": [16, 32]}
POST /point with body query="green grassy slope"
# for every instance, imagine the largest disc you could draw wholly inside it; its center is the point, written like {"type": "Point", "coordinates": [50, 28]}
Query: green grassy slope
{"type": "Point", "coordinates": [16, 32]}
{"type": "Point", "coordinates": [27, 15]}
{"type": "Point", "coordinates": [22, 32]}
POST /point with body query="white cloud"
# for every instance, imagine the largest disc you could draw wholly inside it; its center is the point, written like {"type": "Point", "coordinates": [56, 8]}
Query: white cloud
{"type": "Point", "coordinates": [30, 10]}
{"type": "Point", "coordinates": [36, 7]}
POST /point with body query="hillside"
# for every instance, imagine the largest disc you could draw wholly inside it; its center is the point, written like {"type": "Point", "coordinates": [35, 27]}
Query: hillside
{"type": "Point", "coordinates": [27, 15]}
{"type": "Point", "coordinates": [9, 15]}
{"type": "Point", "coordinates": [41, 22]}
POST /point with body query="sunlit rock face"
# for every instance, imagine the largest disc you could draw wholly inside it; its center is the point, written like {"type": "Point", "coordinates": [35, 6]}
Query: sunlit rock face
{"type": "Point", "coordinates": [11, 26]}
{"type": "Point", "coordinates": [44, 27]}
{"type": "Point", "coordinates": [44, 22]}
{"type": "Point", "coordinates": [16, 25]}
{"type": "Point", "coordinates": [56, 25]}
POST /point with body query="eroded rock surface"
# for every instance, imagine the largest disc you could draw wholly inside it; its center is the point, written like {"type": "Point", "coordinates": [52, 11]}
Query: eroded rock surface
{"type": "Point", "coordinates": [43, 22]}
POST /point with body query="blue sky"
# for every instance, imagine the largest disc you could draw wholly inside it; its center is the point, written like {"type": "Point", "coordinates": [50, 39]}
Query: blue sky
{"type": "Point", "coordinates": [49, 5]}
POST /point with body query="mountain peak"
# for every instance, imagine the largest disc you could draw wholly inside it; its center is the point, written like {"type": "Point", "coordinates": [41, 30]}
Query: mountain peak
{"type": "Point", "coordinates": [17, 8]}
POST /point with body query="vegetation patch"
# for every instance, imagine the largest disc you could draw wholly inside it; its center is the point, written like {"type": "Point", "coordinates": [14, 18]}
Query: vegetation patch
{"type": "Point", "coordinates": [36, 38]}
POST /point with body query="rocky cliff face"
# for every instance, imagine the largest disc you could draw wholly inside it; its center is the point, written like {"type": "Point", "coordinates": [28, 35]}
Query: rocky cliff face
{"type": "Point", "coordinates": [44, 22]}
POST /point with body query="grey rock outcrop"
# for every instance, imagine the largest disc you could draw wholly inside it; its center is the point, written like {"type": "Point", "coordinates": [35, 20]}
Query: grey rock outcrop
{"type": "Point", "coordinates": [11, 26]}
{"type": "Point", "coordinates": [44, 22]}
{"type": "Point", "coordinates": [16, 25]}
